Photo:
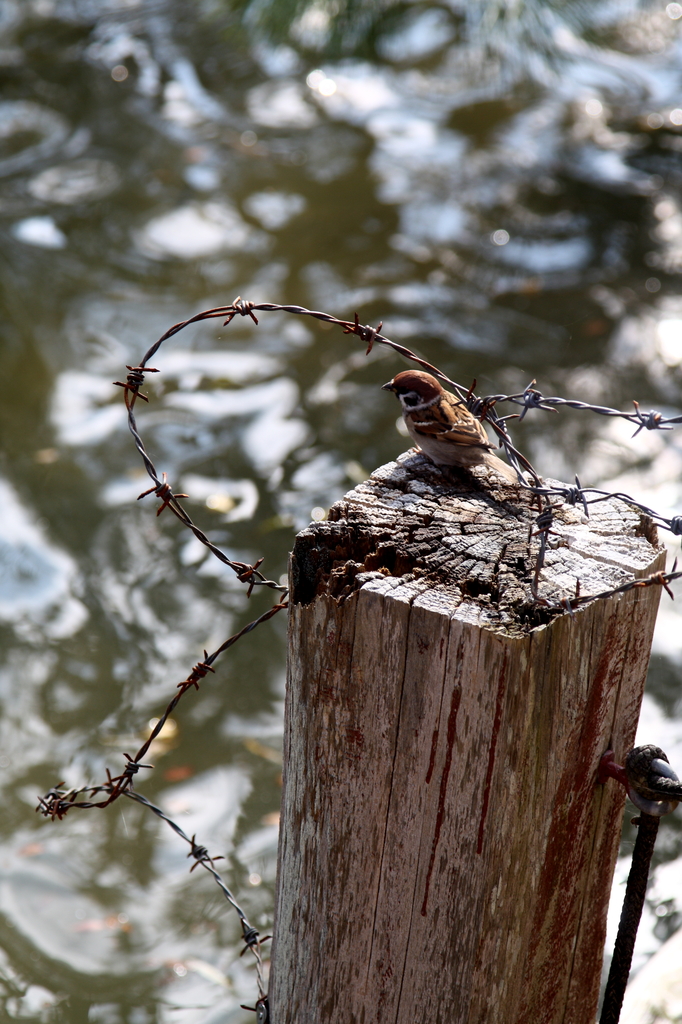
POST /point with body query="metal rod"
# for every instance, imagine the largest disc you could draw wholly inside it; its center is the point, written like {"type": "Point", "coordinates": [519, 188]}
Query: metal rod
{"type": "Point", "coordinates": [633, 903]}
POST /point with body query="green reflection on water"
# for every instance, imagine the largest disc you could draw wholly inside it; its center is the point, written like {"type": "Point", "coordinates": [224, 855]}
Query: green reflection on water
{"type": "Point", "coordinates": [209, 169]}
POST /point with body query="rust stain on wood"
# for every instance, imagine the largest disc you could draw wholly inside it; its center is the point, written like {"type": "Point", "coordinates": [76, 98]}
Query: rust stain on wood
{"type": "Point", "coordinates": [499, 704]}
{"type": "Point", "coordinates": [450, 742]}
{"type": "Point", "coordinates": [432, 759]}
{"type": "Point", "coordinates": [564, 861]}
{"type": "Point", "coordinates": [355, 741]}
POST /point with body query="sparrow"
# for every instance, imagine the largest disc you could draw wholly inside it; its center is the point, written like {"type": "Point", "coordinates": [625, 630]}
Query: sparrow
{"type": "Point", "coordinates": [442, 426]}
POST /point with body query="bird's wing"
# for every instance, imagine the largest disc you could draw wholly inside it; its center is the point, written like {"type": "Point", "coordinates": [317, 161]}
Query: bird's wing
{"type": "Point", "coordinates": [450, 422]}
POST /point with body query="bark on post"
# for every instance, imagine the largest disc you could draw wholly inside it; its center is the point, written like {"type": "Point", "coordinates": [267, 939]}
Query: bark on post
{"type": "Point", "coordinates": [445, 854]}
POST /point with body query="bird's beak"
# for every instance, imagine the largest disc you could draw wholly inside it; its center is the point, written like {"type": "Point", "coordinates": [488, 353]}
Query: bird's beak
{"type": "Point", "coordinates": [388, 386]}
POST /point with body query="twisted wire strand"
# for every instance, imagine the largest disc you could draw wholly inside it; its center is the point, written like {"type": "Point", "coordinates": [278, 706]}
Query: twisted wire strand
{"type": "Point", "coordinates": [202, 858]}
{"type": "Point", "coordinates": [56, 803]}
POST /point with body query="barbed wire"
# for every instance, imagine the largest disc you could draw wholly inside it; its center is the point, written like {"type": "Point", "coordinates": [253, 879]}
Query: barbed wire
{"type": "Point", "coordinates": [162, 489]}
{"type": "Point", "coordinates": [58, 801]}
{"type": "Point", "coordinates": [202, 858]}
{"type": "Point", "coordinates": [482, 407]}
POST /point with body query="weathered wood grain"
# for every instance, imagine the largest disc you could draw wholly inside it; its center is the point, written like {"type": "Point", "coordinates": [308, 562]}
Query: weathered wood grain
{"type": "Point", "coordinates": [445, 854]}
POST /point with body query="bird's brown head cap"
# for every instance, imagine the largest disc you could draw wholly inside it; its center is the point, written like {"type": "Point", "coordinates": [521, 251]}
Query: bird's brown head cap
{"type": "Point", "coordinates": [426, 386]}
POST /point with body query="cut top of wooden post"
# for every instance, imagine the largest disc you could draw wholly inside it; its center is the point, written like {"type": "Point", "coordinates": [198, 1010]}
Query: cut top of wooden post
{"type": "Point", "coordinates": [470, 543]}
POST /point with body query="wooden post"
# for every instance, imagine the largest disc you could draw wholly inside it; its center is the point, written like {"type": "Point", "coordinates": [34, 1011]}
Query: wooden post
{"type": "Point", "coordinates": [445, 853]}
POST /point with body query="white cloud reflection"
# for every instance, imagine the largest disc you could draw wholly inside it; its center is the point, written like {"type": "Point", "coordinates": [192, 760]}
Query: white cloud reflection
{"type": "Point", "coordinates": [208, 806]}
{"type": "Point", "coordinates": [75, 182]}
{"type": "Point", "coordinates": [198, 229]}
{"type": "Point", "coordinates": [272, 432]}
{"type": "Point", "coordinates": [360, 91]}
{"type": "Point", "coordinates": [80, 411]}
{"type": "Point", "coordinates": [281, 104]}
{"type": "Point", "coordinates": [36, 577]}
{"type": "Point", "coordinates": [670, 341]}
{"type": "Point", "coordinates": [426, 32]}
{"type": "Point", "coordinates": [40, 231]}
{"type": "Point", "coordinates": [70, 928]}
{"type": "Point", "coordinates": [237, 500]}
{"type": "Point", "coordinates": [274, 209]}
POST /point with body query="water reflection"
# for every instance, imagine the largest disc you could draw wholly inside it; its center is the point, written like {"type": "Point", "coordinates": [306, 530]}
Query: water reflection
{"type": "Point", "coordinates": [37, 579]}
{"type": "Point", "coordinates": [30, 134]}
{"type": "Point", "coordinates": [503, 190]}
{"type": "Point", "coordinates": [199, 229]}
{"type": "Point", "coordinates": [76, 181]}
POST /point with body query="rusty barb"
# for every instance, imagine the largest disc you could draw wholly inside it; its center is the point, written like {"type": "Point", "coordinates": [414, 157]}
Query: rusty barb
{"type": "Point", "coordinates": [134, 381]}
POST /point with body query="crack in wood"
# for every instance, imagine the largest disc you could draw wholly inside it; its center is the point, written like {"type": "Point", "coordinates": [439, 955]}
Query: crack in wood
{"type": "Point", "coordinates": [467, 536]}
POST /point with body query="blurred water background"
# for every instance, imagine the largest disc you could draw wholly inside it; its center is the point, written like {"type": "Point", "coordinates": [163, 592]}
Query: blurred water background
{"type": "Point", "coordinates": [500, 183]}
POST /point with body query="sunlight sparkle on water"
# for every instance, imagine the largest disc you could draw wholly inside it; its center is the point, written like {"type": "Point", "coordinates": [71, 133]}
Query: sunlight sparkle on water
{"type": "Point", "coordinates": [670, 341]}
